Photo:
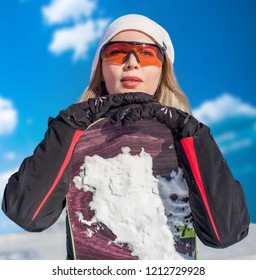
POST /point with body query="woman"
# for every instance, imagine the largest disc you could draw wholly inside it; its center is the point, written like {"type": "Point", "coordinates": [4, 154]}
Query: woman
{"type": "Point", "coordinates": [132, 78]}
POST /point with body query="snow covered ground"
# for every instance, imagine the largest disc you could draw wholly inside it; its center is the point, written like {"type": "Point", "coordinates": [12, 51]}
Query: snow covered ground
{"type": "Point", "coordinates": [50, 245]}
{"type": "Point", "coordinates": [244, 250]}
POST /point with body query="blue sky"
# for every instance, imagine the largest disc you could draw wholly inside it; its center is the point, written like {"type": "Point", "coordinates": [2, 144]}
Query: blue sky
{"type": "Point", "coordinates": [46, 52]}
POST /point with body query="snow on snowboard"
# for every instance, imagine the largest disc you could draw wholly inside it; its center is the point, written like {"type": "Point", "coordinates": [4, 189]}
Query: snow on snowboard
{"type": "Point", "coordinates": [128, 198]}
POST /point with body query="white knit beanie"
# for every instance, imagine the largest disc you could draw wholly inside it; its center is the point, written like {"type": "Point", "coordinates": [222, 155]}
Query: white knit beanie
{"type": "Point", "coordinates": [140, 23]}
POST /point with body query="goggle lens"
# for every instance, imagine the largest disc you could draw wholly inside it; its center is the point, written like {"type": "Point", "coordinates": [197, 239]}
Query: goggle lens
{"type": "Point", "coordinates": [146, 54]}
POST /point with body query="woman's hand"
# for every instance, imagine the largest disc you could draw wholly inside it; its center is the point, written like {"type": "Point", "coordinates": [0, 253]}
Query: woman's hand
{"type": "Point", "coordinates": [181, 123]}
{"type": "Point", "coordinates": [81, 115]}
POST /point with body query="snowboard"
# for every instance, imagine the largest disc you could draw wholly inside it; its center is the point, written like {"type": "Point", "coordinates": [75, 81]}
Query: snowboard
{"type": "Point", "coordinates": [97, 160]}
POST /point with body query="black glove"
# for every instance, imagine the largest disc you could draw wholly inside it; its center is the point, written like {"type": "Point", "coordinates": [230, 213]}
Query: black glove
{"type": "Point", "coordinates": [81, 115]}
{"type": "Point", "coordinates": [180, 123]}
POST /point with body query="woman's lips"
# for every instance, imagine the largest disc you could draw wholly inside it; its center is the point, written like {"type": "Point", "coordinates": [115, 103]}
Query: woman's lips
{"type": "Point", "coordinates": [131, 81]}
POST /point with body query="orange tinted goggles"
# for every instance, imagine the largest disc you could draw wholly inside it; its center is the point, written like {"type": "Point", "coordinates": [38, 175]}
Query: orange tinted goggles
{"type": "Point", "coordinates": [118, 52]}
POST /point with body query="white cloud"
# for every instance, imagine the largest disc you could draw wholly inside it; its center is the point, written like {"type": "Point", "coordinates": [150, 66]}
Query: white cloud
{"type": "Point", "coordinates": [236, 145]}
{"type": "Point", "coordinates": [61, 11]}
{"type": "Point", "coordinates": [230, 111]}
{"type": "Point", "coordinates": [231, 141]}
{"type": "Point", "coordinates": [225, 106]}
{"type": "Point", "coordinates": [4, 179]}
{"type": "Point", "coordinates": [226, 136]}
{"type": "Point", "coordinates": [83, 29]}
{"type": "Point", "coordinates": [77, 38]}
{"type": "Point", "coordinates": [9, 155]}
{"type": "Point", "coordinates": [8, 116]}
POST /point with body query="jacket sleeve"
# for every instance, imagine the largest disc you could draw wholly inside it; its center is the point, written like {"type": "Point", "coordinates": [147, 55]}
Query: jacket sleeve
{"type": "Point", "coordinates": [34, 196]}
{"type": "Point", "coordinates": [216, 199]}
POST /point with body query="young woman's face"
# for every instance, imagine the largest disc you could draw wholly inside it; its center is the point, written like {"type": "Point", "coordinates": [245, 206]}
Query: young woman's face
{"type": "Point", "coordinates": [130, 76]}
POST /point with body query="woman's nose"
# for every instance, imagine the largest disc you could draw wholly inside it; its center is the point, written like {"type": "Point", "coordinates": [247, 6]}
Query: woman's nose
{"type": "Point", "coordinates": [132, 60]}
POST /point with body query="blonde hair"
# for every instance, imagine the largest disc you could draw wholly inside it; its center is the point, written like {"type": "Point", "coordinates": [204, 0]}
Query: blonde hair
{"type": "Point", "coordinates": [168, 93]}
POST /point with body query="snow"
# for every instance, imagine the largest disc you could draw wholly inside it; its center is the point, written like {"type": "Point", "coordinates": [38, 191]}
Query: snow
{"type": "Point", "coordinates": [176, 209]}
{"type": "Point", "coordinates": [126, 199]}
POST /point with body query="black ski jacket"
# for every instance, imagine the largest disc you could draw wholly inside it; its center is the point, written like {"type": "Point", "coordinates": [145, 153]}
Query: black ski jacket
{"type": "Point", "coordinates": [35, 196]}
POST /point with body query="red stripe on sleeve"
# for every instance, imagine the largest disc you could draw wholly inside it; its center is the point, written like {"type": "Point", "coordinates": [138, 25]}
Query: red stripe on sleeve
{"type": "Point", "coordinates": [75, 139]}
{"type": "Point", "coordinates": [188, 146]}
